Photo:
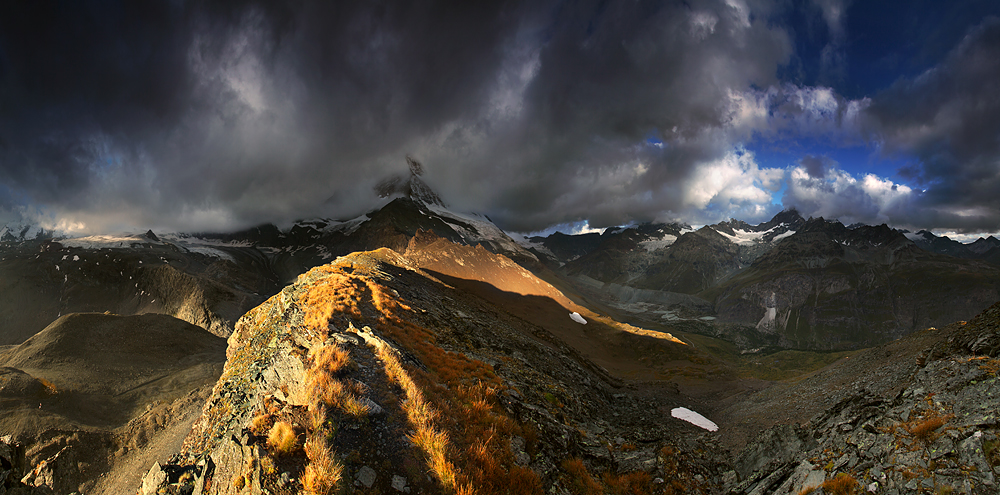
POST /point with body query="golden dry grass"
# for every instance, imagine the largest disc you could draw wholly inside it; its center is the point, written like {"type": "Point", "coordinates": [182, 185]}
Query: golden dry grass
{"type": "Point", "coordinates": [327, 391]}
{"type": "Point", "coordinates": [330, 358]}
{"type": "Point", "coordinates": [991, 366]}
{"type": "Point", "coordinates": [317, 417]}
{"type": "Point", "coordinates": [580, 482]}
{"type": "Point", "coordinates": [634, 483]}
{"type": "Point", "coordinates": [323, 471]}
{"type": "Point", "coordinates": [260, 424]}
{"type": "Point", "coordinates": [332, 294]}
{"type": "Point", "coordinates": [282, 438]}
{"type": "Point", "coordinates": [843, 484]}
{"type": "Point", "coordinates": [446, 420]}
{"type": "Point", "coordinates": [925, 427]}
{"type": "Point", "coordinates": [467, 415]}
{"type": "Point", "coordinates": [420, 414]}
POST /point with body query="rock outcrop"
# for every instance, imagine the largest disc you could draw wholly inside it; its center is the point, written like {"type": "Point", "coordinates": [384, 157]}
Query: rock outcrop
{"type": "Point", "coordinates": [938, 433]}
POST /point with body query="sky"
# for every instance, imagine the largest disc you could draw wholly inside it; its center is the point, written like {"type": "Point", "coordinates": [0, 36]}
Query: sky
{"type": "Point", "coordinates": [216, 116]}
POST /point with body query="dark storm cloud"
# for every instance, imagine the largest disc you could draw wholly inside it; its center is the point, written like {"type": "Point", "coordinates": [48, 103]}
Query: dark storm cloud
{"type": "Point", "coordinates": [948, 121]}
{"type": "Point", "coordinates": [200, 115]}
{"type": "Point", "coordinates": [211, 116]}
{"type": "Point", "coordinates": [607, 77]}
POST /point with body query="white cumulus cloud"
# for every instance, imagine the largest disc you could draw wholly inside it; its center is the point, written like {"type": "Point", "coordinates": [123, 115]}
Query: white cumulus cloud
{"type": "Point", "coordinates": [837, 194]}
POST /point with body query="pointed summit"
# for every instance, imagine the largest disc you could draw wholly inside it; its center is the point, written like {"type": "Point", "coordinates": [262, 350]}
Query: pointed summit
{"type": "Point", "coordinates": [412, 187]}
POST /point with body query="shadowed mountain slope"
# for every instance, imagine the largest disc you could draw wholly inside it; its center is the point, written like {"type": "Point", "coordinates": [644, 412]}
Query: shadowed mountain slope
{"type": "Point", "coordinates": [92, 393]}
{"type": "Point", "coordinates": [42, 280]}
{"type": "Point", "coordinates": [830, 287]}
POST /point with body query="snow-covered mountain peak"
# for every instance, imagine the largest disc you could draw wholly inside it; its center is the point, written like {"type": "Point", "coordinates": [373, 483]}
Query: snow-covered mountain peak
{"type": "Point", "coordinates": [20, 231]}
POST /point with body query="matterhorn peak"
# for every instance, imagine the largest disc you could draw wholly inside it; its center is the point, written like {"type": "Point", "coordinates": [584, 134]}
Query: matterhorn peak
{"type": "Point", "coordinates": [412, 187]}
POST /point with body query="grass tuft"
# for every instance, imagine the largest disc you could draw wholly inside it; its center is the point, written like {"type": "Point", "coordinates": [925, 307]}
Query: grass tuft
{"type": "Point", "coordinates": [323, 471]}
{"type": "Point", "coordinates": [925, 427]}
{"type": "Point", "coordinates": [261, 424]}
{"type": "Point", "coordinates": [330, 358]}
{"type": "Point", "coordinates": [843, 484]}
{"type": "Point", "coordinates": [282, 438]}
{"type": "Point", "coordinates": [991, 366]}
{"type": "Point", "coordinates": [579, 481]}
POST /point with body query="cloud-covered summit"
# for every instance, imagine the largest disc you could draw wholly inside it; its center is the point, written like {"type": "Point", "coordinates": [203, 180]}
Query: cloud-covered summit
{"type": "Point", "coordinates": [212, 116]}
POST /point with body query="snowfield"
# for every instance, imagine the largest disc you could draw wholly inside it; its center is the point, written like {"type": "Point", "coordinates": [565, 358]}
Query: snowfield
{"type": "Point", "coordinates": [654, 244]}
{"type": "Point", "coordinates": [577, 318]}
{"type": "Point", "coordinates": [744, 238]}
{"type": "Point", "coordinates": [782, 236]}
{"type": "Point", "coordinates": [105, 241]}
{"type": "Point", "coordinates": [694, 418]}
{"type": "Point", "coordinates": [526, 243]}
{"type": "Point", "coordinates": [208, 251]}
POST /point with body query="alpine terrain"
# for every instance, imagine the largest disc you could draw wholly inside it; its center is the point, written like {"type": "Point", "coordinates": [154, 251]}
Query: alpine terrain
{"type": "Point", "coordinates": [415, 349]}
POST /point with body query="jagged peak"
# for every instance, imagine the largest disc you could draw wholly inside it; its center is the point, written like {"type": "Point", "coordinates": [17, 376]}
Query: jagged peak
{"type": "Point", "coordinates": [412, 187]}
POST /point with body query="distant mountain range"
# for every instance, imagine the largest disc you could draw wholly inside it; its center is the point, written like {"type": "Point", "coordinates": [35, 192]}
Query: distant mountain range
{"type": "Point", "coordinates": [987, 249]}
{"type": "Point", "coordinates": [786, 283]}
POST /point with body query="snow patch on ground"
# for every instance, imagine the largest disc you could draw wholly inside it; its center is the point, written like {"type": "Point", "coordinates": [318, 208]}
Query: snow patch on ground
{"type": "Point", "coordinates": [577, 318]}
{"type": "Point", "coordinates": [694, 418]}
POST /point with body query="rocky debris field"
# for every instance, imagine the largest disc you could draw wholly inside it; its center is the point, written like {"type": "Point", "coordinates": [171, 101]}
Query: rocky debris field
{"type": "Point", "coordinates": [938, 431]}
